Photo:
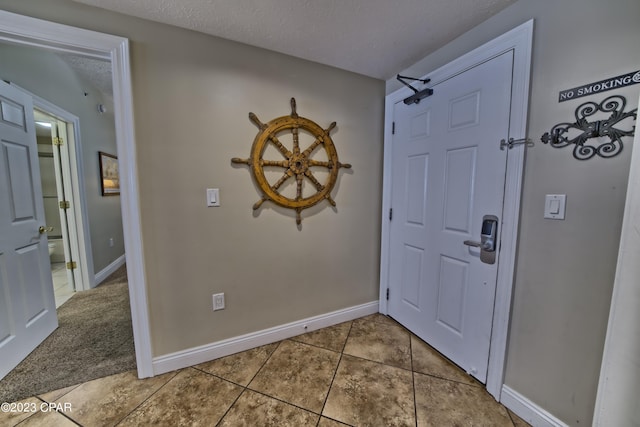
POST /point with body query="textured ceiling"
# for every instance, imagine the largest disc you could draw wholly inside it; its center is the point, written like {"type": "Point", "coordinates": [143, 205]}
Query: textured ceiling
{"type": "Point", "coordinates": [377, 38]}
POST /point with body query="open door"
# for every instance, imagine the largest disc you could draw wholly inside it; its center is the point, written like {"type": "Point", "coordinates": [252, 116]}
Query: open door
{"type": "Point", "coordinates": [27, 304]}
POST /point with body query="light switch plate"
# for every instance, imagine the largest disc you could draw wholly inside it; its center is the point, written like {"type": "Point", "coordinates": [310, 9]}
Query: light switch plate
{"type": "Point", "coordinates": [213, 197]}
{"type": "Point", "coordinates": [554, 206]}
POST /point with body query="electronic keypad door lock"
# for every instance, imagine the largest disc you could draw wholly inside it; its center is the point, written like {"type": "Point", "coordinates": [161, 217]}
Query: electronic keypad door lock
{"type": "Point", "coordinates": [488, 239]}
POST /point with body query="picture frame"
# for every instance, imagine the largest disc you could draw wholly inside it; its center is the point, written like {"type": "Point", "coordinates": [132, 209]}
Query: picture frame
{"type": "Point", "coordinates": [109, 174]}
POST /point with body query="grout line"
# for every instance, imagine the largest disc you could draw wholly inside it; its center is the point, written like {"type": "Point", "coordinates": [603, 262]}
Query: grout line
{"type": "Point", "coordinates": [61, 413]}
{"type": "Point", "coordinates": [246, 387]}
{"type": "Point", "coordinates": [219, 377]}
{"type": "Point", "coordinates": [265, 362]}
{"type": "Point", "coordinates": [150, 396]}
{"type": "Point", "coordinates": [282, 401]}
{"type": "Point", "coordinates": [335, 372]}
{"type": "Point", "coordinates": [413, 383]}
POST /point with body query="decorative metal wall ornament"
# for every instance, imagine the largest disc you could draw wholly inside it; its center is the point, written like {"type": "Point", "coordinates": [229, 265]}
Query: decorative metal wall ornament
{"type": "Point", "coordinates": [297, 164]}
{"type": "Point", "coordinates": [583, 131]}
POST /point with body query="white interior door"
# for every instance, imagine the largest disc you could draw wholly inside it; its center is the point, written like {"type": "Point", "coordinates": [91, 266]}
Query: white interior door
{"type": "Point", "coordinates": [27, 304]}
{"type": "Point", "coordinates": [448, 172]}
{"type": "Point", "coordinates": [63, 189]}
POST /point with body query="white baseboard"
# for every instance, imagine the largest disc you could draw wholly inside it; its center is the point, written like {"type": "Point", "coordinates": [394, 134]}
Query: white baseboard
{"type": "Point", "coordinates": [193, 356]}
{"type": "Point", "coordinates": [527, 410]}
{"type": "Point", "coordinates": [109, 269]}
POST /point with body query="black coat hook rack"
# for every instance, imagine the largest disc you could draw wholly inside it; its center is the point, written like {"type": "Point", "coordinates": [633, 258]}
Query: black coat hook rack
{"type": "Point", "coordinates": [583, 131]}
{"type": "Point", "coordinates": [418, 94]}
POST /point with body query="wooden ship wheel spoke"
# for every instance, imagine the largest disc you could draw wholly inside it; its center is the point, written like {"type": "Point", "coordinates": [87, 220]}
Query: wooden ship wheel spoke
{"type": "Point", "coordinates": [297, 164]}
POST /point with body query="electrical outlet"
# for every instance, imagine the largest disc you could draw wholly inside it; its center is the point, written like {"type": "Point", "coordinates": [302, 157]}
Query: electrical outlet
{"type": "Point", "coordinates": [111, 242]}
{"type": "Point", "coordinates": [218, 302]}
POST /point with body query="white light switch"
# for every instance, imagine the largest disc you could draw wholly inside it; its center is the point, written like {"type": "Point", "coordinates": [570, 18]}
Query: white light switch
{"type": "Point", "coordinates": [213, 197]}
{"type": "Point", "coordinates": [554, 206]}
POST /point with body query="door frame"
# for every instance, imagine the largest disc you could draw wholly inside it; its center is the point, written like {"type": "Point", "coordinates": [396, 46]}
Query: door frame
{"type": "Point", "coordinates": [519, 40]}
{"type": "Point", "coordinates": [79, 233]}
{"type": "Point", "coordinates": [23, 30]}
{"type": "Point", "coordinates": [620, 370]}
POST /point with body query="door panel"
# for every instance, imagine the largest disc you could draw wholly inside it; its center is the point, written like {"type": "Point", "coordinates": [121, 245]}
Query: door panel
{"type": "Point", "coordinates": [34, 293]}
{"type": "Point", "coordinates": [417, 172]}
{"type": "Point", "coordinates": [412, 275]}
{"type": "Point", "coordinates": [447, 173]}
{"type": "Point", "coordinates": [451, 291]}
{"type": "Point", "coordinates": [21, 198]}
{"type": "Point", "coordinates": [26, 289]}
{"type": "Point", "coordinates": [458, 189]}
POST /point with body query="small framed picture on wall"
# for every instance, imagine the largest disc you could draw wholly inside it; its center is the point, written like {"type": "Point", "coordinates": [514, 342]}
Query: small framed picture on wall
{"type": "Point", "coordinates": [109, 175]}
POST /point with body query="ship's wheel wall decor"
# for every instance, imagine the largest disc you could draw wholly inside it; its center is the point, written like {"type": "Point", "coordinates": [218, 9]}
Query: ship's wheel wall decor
{"type": "Point", "coordinates": [297, 164]}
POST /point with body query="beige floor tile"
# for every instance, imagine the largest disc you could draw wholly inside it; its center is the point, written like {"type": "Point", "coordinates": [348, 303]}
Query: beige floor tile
{"type": "Point", "coordinates": [106, 401]}
{"type": "Point", "coordinates": [428, 361]}
{"type": "Point", "coordinates": [366, 393]}
{"type": "Point", "coordinates": [441, 402]}
{"type": "Point", "coordinates": [19, 411]}
{"type": "Point", "coordinates": [254, 409]}
{"type": "Point", "coordinates": [191, 398]}
{"type": "Point", "coordinates": [328, 422]}
{"type": "Point", "coordinates": [380, 318]}
{"type": "Point", "coordinates": [52, 396]}
{"type": "Point", "coordinates": [47, 419]}
{"type": "Point", "coordinates": [298, 382]}
{"type": "Point", "coordinates": [331, 338]}
{"type": "Point", "coordinates": [299, 374]}
{"type": "Point", "coordinates": [240, 368]}
{"type": "Point", "coordinates": [380, 341]}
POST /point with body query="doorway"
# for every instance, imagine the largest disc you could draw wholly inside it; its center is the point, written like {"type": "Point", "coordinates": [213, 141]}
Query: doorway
{"type": "Point", "coordinates": [27, 31]}
{"type": "Point", "coordinates": [55, 203]}
{"type": "Point", "coordinates": [517, 41]}
{"type": "Point", "coordinates": [448, 183]}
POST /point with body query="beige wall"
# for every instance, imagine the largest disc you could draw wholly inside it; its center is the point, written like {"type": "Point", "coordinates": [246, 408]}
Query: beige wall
{"type": "Point", "coordinates": [192, 97]}
{"type": "Point", "coordinates": [565, 269]}
{"type": "Point", "coordinates": [47, 76]}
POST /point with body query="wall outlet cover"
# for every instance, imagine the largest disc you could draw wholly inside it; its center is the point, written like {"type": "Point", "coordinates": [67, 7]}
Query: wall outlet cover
{"type": "Point", "coordinates": [218, 302]}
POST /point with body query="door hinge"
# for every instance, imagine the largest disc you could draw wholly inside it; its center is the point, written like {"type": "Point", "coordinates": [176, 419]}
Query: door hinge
{"type": "Point", "coordinates": [393, 128]}
{"type": "Point", "coordinates": [387, 294]}
{"type": "Point", "coordinates": [64, 204]}
{"type": "Point", "coordinates": [58, 141]}
{"type": "Point", "coordinates": [390, 214]}
{"type": "Point", "coordinates": [72, 265]}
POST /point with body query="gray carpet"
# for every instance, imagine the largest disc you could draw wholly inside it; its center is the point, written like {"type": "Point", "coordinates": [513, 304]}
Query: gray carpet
{"type": "Point", "coordinates": [94, 339]}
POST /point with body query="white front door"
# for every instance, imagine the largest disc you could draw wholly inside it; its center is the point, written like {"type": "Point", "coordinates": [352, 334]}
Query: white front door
{"type": "Point", "coordinates": [27, 304]}
{"type": "Point", "coordinates": [448, 172]}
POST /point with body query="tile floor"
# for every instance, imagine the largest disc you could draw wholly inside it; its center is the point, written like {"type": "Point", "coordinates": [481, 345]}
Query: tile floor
{"type": "Point", "coordinates": [366, 372]}
{"type": "Point", "coordinates": [61, 289]}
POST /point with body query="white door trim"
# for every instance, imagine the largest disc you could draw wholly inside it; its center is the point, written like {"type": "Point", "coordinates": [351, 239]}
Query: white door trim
{"type": "Point", "coordinates": [48, 35]}
{"type": "Point", "coordinates": [620, 369]}
{"type": "Point", "coordinates": [519, 40]}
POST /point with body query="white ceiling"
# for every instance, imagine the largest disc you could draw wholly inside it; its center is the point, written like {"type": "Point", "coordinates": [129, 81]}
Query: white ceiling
{"type": "Point", "coordinates": [377, 38]}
